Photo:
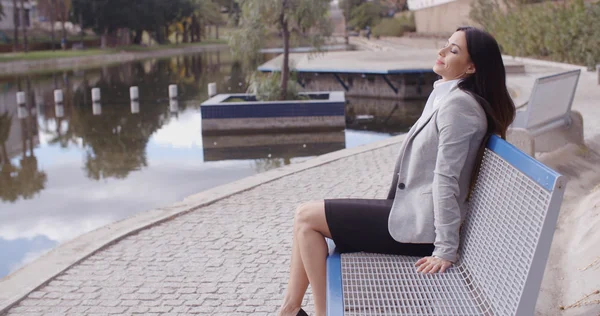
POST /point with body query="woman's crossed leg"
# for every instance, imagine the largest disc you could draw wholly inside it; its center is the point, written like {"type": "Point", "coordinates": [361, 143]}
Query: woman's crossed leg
{"type": "Point", "coordinates": [308, 263]}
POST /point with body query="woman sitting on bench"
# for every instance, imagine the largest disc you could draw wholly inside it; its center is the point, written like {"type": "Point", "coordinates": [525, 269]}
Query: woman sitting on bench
{"type": "Point", "coordinates": [432, 179]}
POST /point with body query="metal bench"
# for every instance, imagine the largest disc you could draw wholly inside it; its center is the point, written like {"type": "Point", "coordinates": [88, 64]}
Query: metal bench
{"type": "Point", "coordinates": [505, 242]}
{"type": "Point", "coordinates": [548, 122]}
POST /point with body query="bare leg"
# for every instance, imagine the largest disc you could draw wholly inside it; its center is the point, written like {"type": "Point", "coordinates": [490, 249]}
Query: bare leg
{"type": "Point", "coordinates": [309, 252]}
{"type": "Point", "coordinates": [311, 230]}
{"type": "Point", "coordinates": [298, 282]}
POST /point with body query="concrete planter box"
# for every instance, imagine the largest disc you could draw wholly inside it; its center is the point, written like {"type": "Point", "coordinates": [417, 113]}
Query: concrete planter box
{"type": "Point", "coordinates": [268, 145]}
{"type": "Point", "coordinates": [241, 113]}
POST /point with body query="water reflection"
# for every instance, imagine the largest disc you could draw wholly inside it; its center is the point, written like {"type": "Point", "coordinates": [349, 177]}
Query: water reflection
{"type": "Point", "coordinates": [22, 179]}
{"type": "Point", "coordinates": [115, 136]}
{"type": "Point", "coordinates": [68, 168]}
{"type": "Point", "coordinates": [382, 115]}
{"type": "Point", "coordinates": [71, 167]}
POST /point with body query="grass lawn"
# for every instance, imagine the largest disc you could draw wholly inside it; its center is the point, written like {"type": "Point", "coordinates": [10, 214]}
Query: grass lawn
{"type": "Point", "coordinates": [38, 55]}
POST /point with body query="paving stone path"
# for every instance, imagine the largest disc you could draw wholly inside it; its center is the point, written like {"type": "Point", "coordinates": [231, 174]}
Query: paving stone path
{"type": "Point", "coordinates": [228, 258]}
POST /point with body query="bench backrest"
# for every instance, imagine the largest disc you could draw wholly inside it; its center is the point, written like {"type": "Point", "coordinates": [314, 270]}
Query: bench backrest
{"type": "Point", "coordinates": [509, 227]}
{"type": "Point", "coordinates": [551, 98]}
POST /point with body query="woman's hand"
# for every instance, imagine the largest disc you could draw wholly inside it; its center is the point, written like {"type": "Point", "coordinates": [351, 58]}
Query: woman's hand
{"type": "Point", "coordinates": [432, 265]}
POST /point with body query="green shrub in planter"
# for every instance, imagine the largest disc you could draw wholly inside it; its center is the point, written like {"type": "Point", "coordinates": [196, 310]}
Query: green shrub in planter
{"type": "Point", "coordinates": [267, 87]}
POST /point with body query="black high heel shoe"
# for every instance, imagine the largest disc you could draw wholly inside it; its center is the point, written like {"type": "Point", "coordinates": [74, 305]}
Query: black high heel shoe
{"type": "Point", "coordinates": [301, 312]}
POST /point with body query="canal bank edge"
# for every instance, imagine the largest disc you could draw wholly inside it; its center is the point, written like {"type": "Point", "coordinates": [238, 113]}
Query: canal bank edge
{"type": "Point", "coordinates": [67, 63]}
{"type": "Point", "coordinates": [16, 286]}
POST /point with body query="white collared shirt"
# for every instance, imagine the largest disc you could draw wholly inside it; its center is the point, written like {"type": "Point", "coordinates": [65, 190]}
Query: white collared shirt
{"type": "Point", "coordinates": [440, 91]}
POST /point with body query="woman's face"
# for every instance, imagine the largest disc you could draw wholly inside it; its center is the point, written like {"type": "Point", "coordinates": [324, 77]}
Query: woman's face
{"type": "Point", "coordinates": [453, 60]}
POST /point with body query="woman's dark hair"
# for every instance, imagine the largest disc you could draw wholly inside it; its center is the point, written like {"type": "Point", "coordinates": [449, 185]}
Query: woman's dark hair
{"type": "Point", "coordinates": [488, 86]}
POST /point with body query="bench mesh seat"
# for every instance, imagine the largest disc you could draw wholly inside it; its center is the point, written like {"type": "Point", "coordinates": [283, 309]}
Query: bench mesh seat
{"type": "Point", "coordinates": [505, 240]}
{"type": "Point", "coordinates": [369, 289]}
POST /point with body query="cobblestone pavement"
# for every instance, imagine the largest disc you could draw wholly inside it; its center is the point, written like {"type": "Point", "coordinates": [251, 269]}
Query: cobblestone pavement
{"type": "Point", "coordinates": [229, 258]}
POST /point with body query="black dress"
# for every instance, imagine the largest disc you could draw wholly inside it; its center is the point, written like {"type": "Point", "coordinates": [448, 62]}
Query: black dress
{"type": "Point", "coordinates": [362, 225]}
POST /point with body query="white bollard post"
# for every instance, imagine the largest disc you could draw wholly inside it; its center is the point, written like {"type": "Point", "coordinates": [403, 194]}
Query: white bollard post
{"type": "Point", "coordinates": [22, 112]}
{"type": "Point", "coordinates": [172, 91]}
{"type": "Point", "coordinates": [598, 71]}
{"type": "Point", "coordinates": [135, 107]}
{"type": "Point", "coordinates": [174, 106]}
{"type": "Point", "coordinates": [134, 94]}
{"type": "Point", "coordinates": [96, 95]}
{"type": "Point", "coordinates": [212, 89]}
{"type": "Point", "coordinates": [97, 108]}
{"type": "Point", "coordinates": [20, 98]}
{"type": "Point", "coordinates": [58, 96]}
{"type": "Point", "coordinates": [59, 110]}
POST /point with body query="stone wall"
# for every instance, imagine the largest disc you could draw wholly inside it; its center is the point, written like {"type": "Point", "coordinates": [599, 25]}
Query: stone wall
{"type": "Point", "coordinates": [443, 19]}
{"type": "Point", "coordinates": [411, 86]}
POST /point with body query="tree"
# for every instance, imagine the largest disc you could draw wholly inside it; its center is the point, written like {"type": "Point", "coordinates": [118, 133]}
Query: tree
{"type": "Point", "coordinates": [30, 179]}
{"type": "Point", "coordinates": [24, 25]}
{"type": "Point", "coordinates": [152, 16]}
{"type": "Point", "coordinates": [306, 18]}
{"type": "Point", "coordinates": [105, 17]}
{"type": "Point", "coordinates": [53, 21]}
{"type": "Point", "coordinates": [9, 189]}
{"type": "Point", "coordinates": [366, 14]}
{"type": "Point", "coordinates": [47, 8]}
{"type": "Point", "coordinates": [27, 180]}
{"type": "Point", "coordinates": [362, 13]}
{"type": "Point", "coordinates": [65, 8]}
{"type": "Point", "coordinates": [232, 8]}
{"type": "Point", "coordinates": [16, 26]}
{"type": "Point", "coordinates": [348, 5]}
{"type": "Point", "coordinates": [142, 21]}
{"type": "Point", "coordinates": [208, 13]}
{"type": "Point", "coordinates": [193, 22]}
{"type": "Point", "coordinates": [173, 12]}
{"type": "Point", "coordinates": [8, 179]}
{"type": "Point", "coordinates": [5, 124]}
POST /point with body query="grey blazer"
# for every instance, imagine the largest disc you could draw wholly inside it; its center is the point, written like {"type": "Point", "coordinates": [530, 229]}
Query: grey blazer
{"type": "Point", "coordinates": [433, 172]}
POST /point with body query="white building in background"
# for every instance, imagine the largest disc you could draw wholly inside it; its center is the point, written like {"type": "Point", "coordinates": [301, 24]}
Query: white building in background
{"type": "Point", "coordinates": [7, 21]}
{"type": "Point", "coordinates": [440, 16]}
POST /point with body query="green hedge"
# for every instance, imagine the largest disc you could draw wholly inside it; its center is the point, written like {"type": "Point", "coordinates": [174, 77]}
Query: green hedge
{"type": "Point", "coordinates": [395, 26]}
{"type": "Point", "coordinates": [560, 31]}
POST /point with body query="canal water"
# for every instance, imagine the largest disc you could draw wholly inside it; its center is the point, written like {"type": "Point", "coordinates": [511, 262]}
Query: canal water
{"type": "Point", "coordinates": [66, 171]}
